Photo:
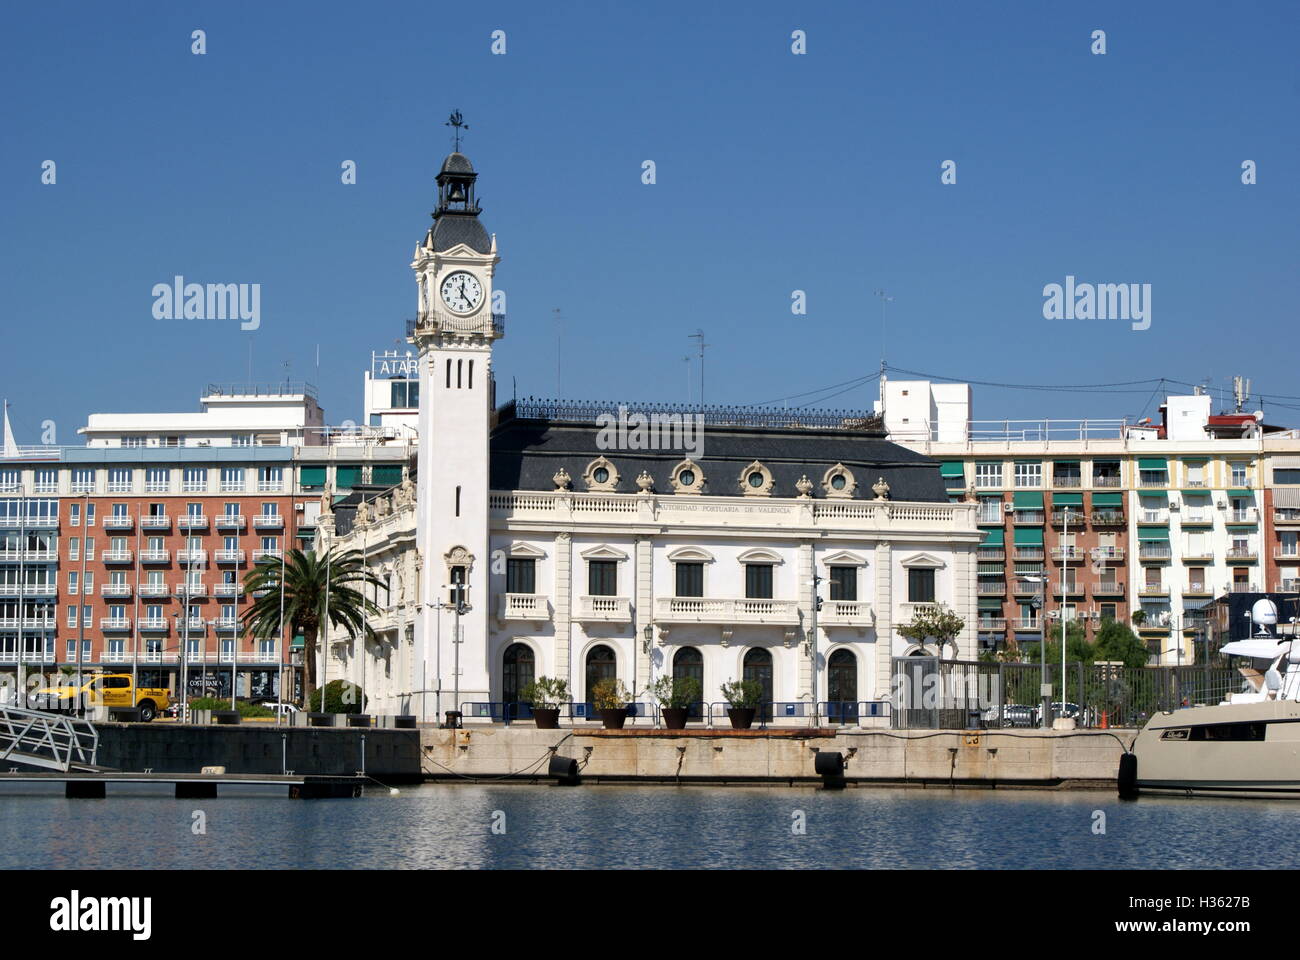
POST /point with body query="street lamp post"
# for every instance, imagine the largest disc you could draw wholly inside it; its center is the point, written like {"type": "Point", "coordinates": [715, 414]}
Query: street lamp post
{"type": "Point", "coordinates": [1040, 604]}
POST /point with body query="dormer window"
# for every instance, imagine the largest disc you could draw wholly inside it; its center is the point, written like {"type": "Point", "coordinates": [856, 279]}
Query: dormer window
{"type": "Point", "coordinates": [756, 480]}
{"type": "Point", "coordinates": [601, 475]}
{"type": "Point", "coordinates": [687, 477]}
{"type": "Point", "coordinates": [839, 482]}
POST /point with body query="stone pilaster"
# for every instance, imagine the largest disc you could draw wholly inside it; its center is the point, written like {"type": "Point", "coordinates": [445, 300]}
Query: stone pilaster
{"type": "Point", "coordinates": [884, 618]}
{"type": "Point", "coordinates": [964, 601]}
{"type": "Point", "coordinates": [804, 678]}
{"type": "Point", "coordinates": [644, 599]}
{"type": "Point", "coordinates": [563, 605]}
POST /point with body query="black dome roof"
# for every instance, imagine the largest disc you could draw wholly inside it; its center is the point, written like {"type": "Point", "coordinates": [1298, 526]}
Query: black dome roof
{"type": "Point", "coordinates": [457, 163]}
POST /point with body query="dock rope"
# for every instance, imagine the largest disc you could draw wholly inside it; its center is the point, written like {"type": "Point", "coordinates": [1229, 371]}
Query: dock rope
{"type": "Point", "coordinates": [529, 770]}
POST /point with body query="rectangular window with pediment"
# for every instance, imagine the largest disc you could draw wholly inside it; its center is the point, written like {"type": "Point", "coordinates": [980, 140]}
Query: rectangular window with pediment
{"type": "Point", "coordinates": [602, 578]}
{"type": "Point", "coordinates": [690, 578]}
{"type": "Point", "coordinates": [521, 575]}
{"type": "Point", "coordinates": [844, 583]}
{"type": "Point", "coordinates": [758, 581]}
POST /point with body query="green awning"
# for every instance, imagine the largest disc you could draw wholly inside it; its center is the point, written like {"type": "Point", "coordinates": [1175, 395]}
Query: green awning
{"type": "Point", "coordinates": [1153, 533]}
{"type": "Point", "coordinates": [1027, 500]}
{"type": "Point", "coordinates": [1067, 499]}
{"type": "Point", "coordinates": [1028, 537]}
{"type": "Point", "coordinates": [1196, 492]}
{"type": "Point", "coordinates": [1065, 460]}
{"type": "Point", "coordinates": [297, 643]}
{"type": "Point", "coordinates": [1161, 495]}
{"type": "Point", "coordinates": [347, 477]}
{"type": "Point", "coordinates": [388, 475]}
{"type": "Point", "coordinates": [993, 538]}
{"type": "Point", "coordinates": [988, 493]}
{"type": "Point", "coordinates": [1241, 493]}
{"type": "Point", "coordinates": [1153, 463]}
{"type": "Point", "coordinates": [952, 468]}
{"type": "Point", "coordinates": [1196, 459]}
{"type": "Point", "coordinates": [311, 477]}
{"type": "Point", "coordinates": [1108, 499]}
{"type": "Point", "coordinates": [990, 603]}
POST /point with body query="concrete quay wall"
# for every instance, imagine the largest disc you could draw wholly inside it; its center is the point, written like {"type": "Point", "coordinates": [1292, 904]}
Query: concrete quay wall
{"type": "Point", "coordinates": [979, 758]}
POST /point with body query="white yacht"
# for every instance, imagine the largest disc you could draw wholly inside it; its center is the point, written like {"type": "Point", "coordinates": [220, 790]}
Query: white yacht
{"type": "Point", "coordinates": [1248, 745]}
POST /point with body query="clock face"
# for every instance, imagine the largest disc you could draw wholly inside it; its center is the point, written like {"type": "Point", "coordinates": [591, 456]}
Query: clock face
{"type": "Point", "coordinates": [461, 292]}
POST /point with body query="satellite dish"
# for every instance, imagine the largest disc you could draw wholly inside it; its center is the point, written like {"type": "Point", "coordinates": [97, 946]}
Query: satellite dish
{"type": "Point", "coordinates": [1264, 611]}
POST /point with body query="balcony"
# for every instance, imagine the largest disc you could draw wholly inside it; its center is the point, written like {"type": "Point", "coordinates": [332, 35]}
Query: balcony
{"type": "Point", "coordinates": [1108, 588]}
{"type": "Point", "coordinates": [154, 590]}
{"type": "Point", "coordinates": [533, 607]}
{"type": "Point", "coordinates": [990, 517]}
{"type": "Point", "coordinates": [115, 623]}
{"type": "Point", "coordinates": [192, 521]}
{"type": "Point", "coordinates": [1107, 554]}
{"type": "Point", "coordinates": [227, 624]}
{"type": "Point", "coordinates": [1029, 553]}
{"type": "Point", "coordinates": [152, 625]}
{"type": "Point", "coordinates": [604, 609]}
{"type": "Point", "coordinates": [190, 589]}
{"type": "Point", "coordinates": [846, 613]}
{"type": "Point", "coordinates": [991, 553]}
{"type": "Point", "coordinates": [1245, 517]}
{"type": "Point", "coordinates": [1154, 552]}
{"type": "Point", "coordinates": [1285, 555]}
{"type": "Point", "coordinates": [1068, 554]}
{"type": "Point", "coordinates": [194, 627]}
{"type": "Point", "coordinates": [1197, 517]}
{"type": "Point", "coordinates": [1028, 517]}
{"type": "Point", "coordinates": [155, 556]}
{"type": "Point", "coordinates": [29, 589]}
{"type": "Point", "coordinates": [992, 588]}
{"type": "Point", "coordinates": [1195, 589]}
{"type": "Point", "coordinates": [1153, 590]}
{"type": "Point", "coordinates": [191, 556]}
{"type": "Point", "coordinates": [228, 590]}
{"type": "Point", "coordinates": [1241, 587]}
{"type": "Point", "coordinates": [13, 556]}
{"type": "Point", "coordinates": [268, 521]}
{"type": "Point", "coordinates": [1152, 517]}
{"type": "Point", "coordinates": [1026, 623]}
{"type": "Point", "coordinates": [1027, 588]}
{"type": "Point", "coordinates": [1107, 518]}
{"type": "Point", "coordinates": [158, 521]}
{"type": "Point", "coordinates": [231, 521]}
{"type": "Point", "coordinates": [992, 624]}
{"type": "Point", "coordinates": [259, 555]}
{"type": "Point", "coordinates": [117, 556]}
{"type": "Point", "coordinates": [228, 556]}
{"type": "Point", "coordinates": [1288, 586]}
{"type": "Point", "coordinates": [1106, 480]}
{"type": "Point", "coordinates": [1075, 518]}
{"type": "Point", "coordinates": [115, 590]}
{"type": "Point", "coordinates": [726, 611]}
{"type": "Point", "coordinates": [119, 522]}
{"type": "Point", "coordinates": [1286, 517]}
{"type": "Point", "coordinates": [1067, 480]}
{"type": "Point", "coordinates": [1243, 554]}
{"type": "Point", "coordinates": [1197, 555]}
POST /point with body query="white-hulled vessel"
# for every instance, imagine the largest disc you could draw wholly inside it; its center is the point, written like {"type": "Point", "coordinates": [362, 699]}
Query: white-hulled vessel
{"type": "Point", "coordinates": [1248, 745]}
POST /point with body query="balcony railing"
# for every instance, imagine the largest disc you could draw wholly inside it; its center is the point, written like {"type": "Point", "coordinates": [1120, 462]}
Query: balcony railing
{"type": "Point", "coordinates": [1286, 554]}
{"type": "Point", "coordinates": [265, 521]}
{"type": "Point", "coordinates": [1288, 586]}
{"type": "Point", "coordinates": [115, 590]}
{"type": "Point", "coordinates": [1107, 554]}
{"type": "Point", "coordinates": [729, 610]}
{"type": "Point", "coordinates": [155, 556]}
{"type": "Point", "coordinates": [1287, 516]}
{"type": "Point", "coordinates": [156, 521]}
{"type": "Point", "coordinates": [1198, 515]}
{"type": "Point", "coordinates": [1105, 480]}
{"type": "Point", "coordinates": [1030, 553]}
{"type": "Point", "coordinates": [115, 623]}
{"type": "Point", "coordinates": [1068, 553]}
{"type": "Point", "coordinates": [992, 588]}
{"type": "Point", "coordinates": [523, 606]}
{"type": "Point", "coordinates": [265, 555]}
{"type": "Point", "coordinates": [1074, 517]}
{"type": "Point", "coordinates": [119, 522]}
{"type": "Point", "coordinates": [192, 521]}
{"type": "Point", "coordinates": [1248, 515]}
{"type": "Point", "coordinates": [1025, 623]}
{"type": "Point", "coordinates": [846, 613]}
{"type": "Point", "coordinates": [1108, 588]}
{"type": "Point", "coordinates": [1243, 588]}
{"type": "Point", "coordinates": [1067, 480]}
{"type": "Point", "coordinates": [228, 590]}
{"type": "Point", "coordinates": [991, 553]}
{"type": "Point", "coordinates": [1196, 589]}
{"type": "Point", "coordinates": [1035, 517]}
{"type": "Point", "coordinates": [117, 556]}
{"type": "Point", "coordinates": [992, 624]}
{"type": "Point", "coordinates": [1153, 516]}
{"type": "Point", "coordinates": [191, 556]}
{"type": "Point", "coordinates": [48, 589]}
{"type": "Point", "coordinates": [152, 624]}
{"type": "Point", "coordinates": [608, 609]}
{"type": "Point", "coordinates": [154, 590]}
{"type": "Point", "coordinates": [230, 521]}
{"type": "Point", "coordinates": [1156, 552]}
{"type": "Point", "coordinates": [1153, 590]}
{"type": "Point", "coordinates": [228, 556]}
{"type": "Point", "coordinates": [1107, 518]}
{"type": "Point", "coordinates": [190, 589]}
{"type": "Point", "coordinates": [1243, 553]}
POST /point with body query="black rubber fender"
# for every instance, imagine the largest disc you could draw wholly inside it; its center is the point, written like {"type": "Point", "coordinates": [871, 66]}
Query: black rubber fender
{"type": "Point", "coordinates": [1128, 772]}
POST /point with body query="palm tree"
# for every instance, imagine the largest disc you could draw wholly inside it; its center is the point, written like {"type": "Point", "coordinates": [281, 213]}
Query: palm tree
{"type": "Point", "coordinates": [311, 583]}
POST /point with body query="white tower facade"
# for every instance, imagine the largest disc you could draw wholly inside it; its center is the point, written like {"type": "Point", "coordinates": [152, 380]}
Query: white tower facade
{"type": "Point", "coordinates": [454, 331]}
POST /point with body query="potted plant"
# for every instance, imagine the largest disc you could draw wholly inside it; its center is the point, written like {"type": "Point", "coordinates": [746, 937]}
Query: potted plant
{"type": "Point", "coordinates": [675, 696]}
{"type": "Point", "coordinates": [609, 697]}
{"type": "Point", "coordinates": [743, 697]}
{"type": "Point", "coordinates": [545, 694]}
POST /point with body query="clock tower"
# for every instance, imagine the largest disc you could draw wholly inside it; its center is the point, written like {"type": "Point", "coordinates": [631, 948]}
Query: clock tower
{"type": "Point", "coordinates": [454, 330]}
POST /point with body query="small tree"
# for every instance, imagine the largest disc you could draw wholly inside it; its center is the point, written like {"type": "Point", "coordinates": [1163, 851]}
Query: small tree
{"type": "Point", "coordinates": [936, 622]}
{"type": "Point", "coordinates": [676, 693]}
{"type": "Point", "coordinates": [609, 694]}
{"type": "Point", "coordinates": [1139, 617]}
{"type": "Point", "coordinates": [341, 696]}
{"type": "Point", "coordinates": [546, 693]}
{"type": "Point", "coordinates": [1115, 641]}
{"type": "Point", "coordinates": [742, 694]}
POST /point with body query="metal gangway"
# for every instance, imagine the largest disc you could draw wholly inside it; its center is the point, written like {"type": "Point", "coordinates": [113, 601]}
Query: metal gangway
{"type": "Point", "coordinates": [49, 740]}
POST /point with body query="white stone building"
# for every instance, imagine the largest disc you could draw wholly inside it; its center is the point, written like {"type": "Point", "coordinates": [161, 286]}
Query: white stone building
{"type": "Point", "coordinates": [585, 553]}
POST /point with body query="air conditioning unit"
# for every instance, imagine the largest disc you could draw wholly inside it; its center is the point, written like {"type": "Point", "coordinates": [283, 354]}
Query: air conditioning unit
{"type": "Point", "coordinates": [1008, 507]}
{"type": "Point", "coordinates": [1173, 505]}
{"type": "Point", "coordinates": [1054, 615]}
{"type": "Point", "coordinates": [300, 506]}
{"type": "Point", "coordinates": [1221, 504]}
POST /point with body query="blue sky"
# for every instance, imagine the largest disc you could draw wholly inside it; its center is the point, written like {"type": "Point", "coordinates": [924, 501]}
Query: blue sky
{"type": "Point", "coordinates": [775, 173]}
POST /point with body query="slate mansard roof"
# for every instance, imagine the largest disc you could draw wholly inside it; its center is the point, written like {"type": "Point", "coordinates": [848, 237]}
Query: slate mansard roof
{"type": "Point", "coordinates": [450, 229]}
{"type": "Point", "coordinates": [527, 451]}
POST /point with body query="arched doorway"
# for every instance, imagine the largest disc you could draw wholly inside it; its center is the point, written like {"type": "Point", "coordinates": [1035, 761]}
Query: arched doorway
{"type": "Point", "coordinates": [842, 687]}
{"type": "Point", "coordinates": [758, 667]}
{"type": "Point", "coordinates": [601, 665]}
{"type": "Point", "coordinates": [518, 670]}
{"type": "Point", "coordinates": [689, 662]}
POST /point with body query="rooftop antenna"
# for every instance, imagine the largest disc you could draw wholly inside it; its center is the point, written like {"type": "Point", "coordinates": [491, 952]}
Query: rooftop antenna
{"type": "Point", "coordinates": [559, 344]}
{"type": "Point", "coordinates": [699, 335]}
{"type": "Point", "coordinates": [457, 122]}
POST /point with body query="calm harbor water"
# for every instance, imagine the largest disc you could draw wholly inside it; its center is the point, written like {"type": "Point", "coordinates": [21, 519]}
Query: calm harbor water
{"type": "Point", "coordinates": [443, 826]}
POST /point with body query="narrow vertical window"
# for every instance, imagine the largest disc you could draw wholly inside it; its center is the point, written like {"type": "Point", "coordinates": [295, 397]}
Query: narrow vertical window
{"type": "Point", "coordinates": [460, 369]}
{"type": "Point", "coordinates": [458, 501]}
{"type": "Point", "coordinates": [449, 373]}
{"type": "Point", "coordinates": [471, 374]}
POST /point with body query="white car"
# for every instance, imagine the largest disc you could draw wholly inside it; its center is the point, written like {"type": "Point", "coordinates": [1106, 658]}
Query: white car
{"type": "Point", "coordinates": [283, 709]}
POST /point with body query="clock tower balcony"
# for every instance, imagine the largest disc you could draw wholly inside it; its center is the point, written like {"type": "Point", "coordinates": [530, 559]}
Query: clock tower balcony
{"type": "Point", "coordinates": [438, 323]}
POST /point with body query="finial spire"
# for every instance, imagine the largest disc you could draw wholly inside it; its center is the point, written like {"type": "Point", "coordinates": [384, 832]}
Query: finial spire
{"type": "Point", "coordinates": [457, 122]}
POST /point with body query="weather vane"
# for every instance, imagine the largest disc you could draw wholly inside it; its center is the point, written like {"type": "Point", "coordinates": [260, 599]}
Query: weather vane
{"type": "Point", "coordinates": [458, 122]}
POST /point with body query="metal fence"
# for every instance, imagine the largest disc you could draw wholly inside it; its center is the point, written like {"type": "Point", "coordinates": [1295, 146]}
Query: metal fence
{"type": "Point", "coordinates": [932, 694]}
{"type": "Point", "coordinates": [782, 713]}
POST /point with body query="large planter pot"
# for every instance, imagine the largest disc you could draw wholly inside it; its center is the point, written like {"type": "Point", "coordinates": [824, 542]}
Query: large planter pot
{"type": "Point", "coordinates": [614, 719]}
{"type": "Point", "coordinates": [742, 718]}
{"type": "Point", "coordinates": [548, 718]}
{"type": "Point", "coordinates": [675, 717]}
